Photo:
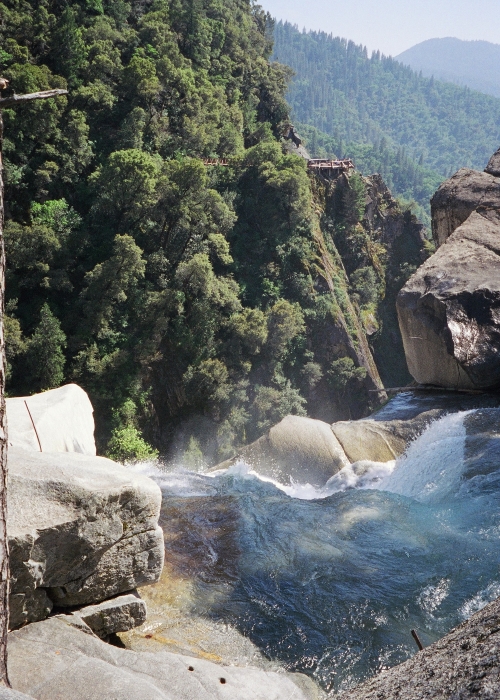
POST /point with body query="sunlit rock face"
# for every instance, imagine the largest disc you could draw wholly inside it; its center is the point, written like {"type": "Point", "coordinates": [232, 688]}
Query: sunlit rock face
{"type": "Point", "coordinates": [449, 310]}
{"type": "Point", "coordinates": [52, 660]}
{"type": "Point", "coordinates": [59, 420]}
{"type": "Point", "coordinates": [81, 529]}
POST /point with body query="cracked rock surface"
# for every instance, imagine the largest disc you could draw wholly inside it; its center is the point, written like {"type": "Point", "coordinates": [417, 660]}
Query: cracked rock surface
{"type": "Point", "coordinates": [81, 529]}
{"type": "Point", "coordinates": [464, 665]}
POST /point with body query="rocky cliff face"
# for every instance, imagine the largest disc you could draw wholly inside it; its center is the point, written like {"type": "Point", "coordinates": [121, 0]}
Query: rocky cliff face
{"type": "Point", "coordinates": [467, 191]}
{"type": "Point", "coordinates": [403, 239]}
{"type": "Point", "coordinates": [449, 311]}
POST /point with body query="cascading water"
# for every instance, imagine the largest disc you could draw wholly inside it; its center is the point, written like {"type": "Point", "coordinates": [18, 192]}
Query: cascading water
{"type": "Point", "coordinates": [330, 581]}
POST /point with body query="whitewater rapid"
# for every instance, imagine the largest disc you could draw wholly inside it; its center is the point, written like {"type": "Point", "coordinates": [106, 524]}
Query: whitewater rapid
{"type": "Point", "coordinates": [329, 581]}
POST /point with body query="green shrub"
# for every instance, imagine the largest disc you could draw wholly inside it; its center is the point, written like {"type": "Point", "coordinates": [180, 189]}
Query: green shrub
{"type": "Point", "coordinates": [128, 445]}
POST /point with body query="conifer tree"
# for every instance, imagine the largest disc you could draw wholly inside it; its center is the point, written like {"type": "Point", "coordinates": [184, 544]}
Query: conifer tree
{"type": "Point", "coordinates": [45, 356]}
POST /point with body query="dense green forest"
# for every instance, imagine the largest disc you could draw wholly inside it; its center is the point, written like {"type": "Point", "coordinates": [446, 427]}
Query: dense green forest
{"type": "Point", "coordinates": [415, 131]}
{"type": "Point", "coordinates": [197, 305]}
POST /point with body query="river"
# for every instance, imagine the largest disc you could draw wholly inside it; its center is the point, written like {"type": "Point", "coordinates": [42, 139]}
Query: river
{"type": "Point", "coordinates": [329, 581]}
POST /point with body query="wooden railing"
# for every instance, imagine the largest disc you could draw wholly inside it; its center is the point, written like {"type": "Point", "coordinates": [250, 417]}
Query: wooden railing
{"type": "Point", "coordinates": [324, 164]}
{"type": "Point", "coordinates": [321, 164]}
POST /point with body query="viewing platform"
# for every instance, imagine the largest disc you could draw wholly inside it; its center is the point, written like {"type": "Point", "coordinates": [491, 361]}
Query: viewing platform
{"type": "Point", "coordinates": [330, 166]}
{"type": "Point", "coordinates": [322, 165]}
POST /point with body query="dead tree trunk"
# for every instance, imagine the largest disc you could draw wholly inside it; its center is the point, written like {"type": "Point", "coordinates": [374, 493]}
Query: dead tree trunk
{"type": "Point", "coordinates": [4, 548]}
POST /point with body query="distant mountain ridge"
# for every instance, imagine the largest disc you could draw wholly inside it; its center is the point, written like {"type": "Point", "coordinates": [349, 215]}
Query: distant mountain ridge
{"type": "Point", "coordinates": [415, 131]}
{"type": "Point", "coordinates": [472, 63]}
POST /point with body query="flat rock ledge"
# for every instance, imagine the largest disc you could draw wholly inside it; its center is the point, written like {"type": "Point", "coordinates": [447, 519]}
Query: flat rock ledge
{"type": "Point", "coordinates": [120, 614]}
{"type": "Point", "coordinates": [53, 660]}
{"type": "Point", "coordinates": [464, 665]}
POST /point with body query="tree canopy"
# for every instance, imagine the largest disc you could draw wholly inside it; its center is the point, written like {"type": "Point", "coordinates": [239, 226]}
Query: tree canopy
{"type": "Point", "coordinates": [197, 305]}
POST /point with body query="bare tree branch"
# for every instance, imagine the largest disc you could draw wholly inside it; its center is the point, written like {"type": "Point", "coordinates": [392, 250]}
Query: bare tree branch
{"type": "Point", "coordinates": [16, 99]}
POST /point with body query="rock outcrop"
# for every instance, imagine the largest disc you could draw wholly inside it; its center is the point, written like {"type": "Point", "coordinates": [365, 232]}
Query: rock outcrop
{"type": "Point", "coordinates": [53, 660]}
{"type": "Point", "coordinates": [493, 167]}
{"type": "Point", "coordinates": [81, 529]}
{"type": "Point", "coordinates": [449, 310]}
{"type": "Point", "coordinates": [120, 614]}
{"type": "Point", "coordinates": [372, 440]}
{"type": "Point", "coordinates": [59, 420]}
{"type": "Point", "coordinates": [463, 665]}
{"type": "Point", "coordinates": [455, 200]}
{"type": "Point", "coordinates": [310, 451]}
{"type": "Point", "coordinates": [297, 448]}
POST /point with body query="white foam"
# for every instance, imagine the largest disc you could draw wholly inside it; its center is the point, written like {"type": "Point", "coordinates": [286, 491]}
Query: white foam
{"type": "Point", "coordinates": [432, 596]}
{"type": "Point", "coordinates": [432, 466]}
{"type": "Point", "coordinates": [480, 600]}
{"type": "Point", "coordinates": [430, 469]}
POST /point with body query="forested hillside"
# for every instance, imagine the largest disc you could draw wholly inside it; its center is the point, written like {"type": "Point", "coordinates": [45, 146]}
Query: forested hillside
{"type": "Point", "coordinates": [415, 131]}
{"type": "Point", "coordinates": [196, 304]}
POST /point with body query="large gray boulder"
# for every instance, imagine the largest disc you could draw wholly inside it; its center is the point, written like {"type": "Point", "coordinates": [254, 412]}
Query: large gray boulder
{"type": "Point", "coordinates": [59, 420]}
{"type": "Point", "coordinates": [81, 529]}
{"type": "Point", "coordinates": [299, 449]}
{"type": "Point", "coordinates": [53, 660]}
{"type": "Point", "coordinates": [456, 199]}
{"type": "Point", "coordinates": [463, 665]}
{"type": "Point", "coordinates": [449, 310]}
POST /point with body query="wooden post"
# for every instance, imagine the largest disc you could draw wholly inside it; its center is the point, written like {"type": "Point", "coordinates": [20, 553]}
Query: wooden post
{"type": "Point", "coordinates": [12, 101]}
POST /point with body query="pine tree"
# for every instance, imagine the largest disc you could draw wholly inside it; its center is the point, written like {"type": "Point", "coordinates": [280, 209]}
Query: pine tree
{"type": "Point", "coordinates": [45, 356]}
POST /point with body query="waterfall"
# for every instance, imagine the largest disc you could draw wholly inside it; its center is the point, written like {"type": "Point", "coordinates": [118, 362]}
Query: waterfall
{"type": "Point", "coordinates": [329, 581]}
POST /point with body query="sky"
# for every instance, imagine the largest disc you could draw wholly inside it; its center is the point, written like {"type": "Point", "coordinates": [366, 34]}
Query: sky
{"type": "Point", "coordinates": [392, 26]}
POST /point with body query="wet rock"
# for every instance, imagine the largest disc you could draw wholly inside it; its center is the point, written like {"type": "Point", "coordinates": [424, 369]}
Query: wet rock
{"type": "Point", "coordinates": [81, 529]}
{"type": "Point", "coordinates": [411, 404]}
{"type": "Point", "coordinates": [464, 665]}
{"type": "Point", "coordinates": [449, 310]}
{"type": "Point", "coordinates": [59, 420]}
{"type": "Point", "coordinates": [456, 199]}
{"type": "Point", "coordinates": [482, 442]}
{"type": "Point", "coordinates": [55, 661]}
{"type": "Point", "coordinates": [120, 614]}
{"type": "Point", "coordinates": [297, 448]}
{"type": "Point", "coordinates": [493, 167]}
{"type": "Point", "coordinates": [379, 441]}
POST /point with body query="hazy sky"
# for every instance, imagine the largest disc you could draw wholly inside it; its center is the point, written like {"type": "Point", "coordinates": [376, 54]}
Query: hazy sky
{"type": "Point", "coordinates": [393, 25]}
